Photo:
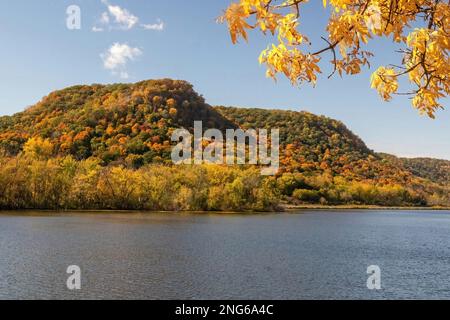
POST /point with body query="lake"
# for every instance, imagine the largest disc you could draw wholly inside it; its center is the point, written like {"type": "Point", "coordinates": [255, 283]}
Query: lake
{"type": "Point", "coordinates": [312, 255]}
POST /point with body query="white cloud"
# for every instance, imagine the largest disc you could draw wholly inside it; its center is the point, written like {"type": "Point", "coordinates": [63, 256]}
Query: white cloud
{"type": "Point", "coordinates": [121, 16]}
{"type": "Point", "coordinates": [122, 19]}
{"type": "Point", "coordinates": [117, 57]}
{"type": "Point", "coordinates": [159, 26]}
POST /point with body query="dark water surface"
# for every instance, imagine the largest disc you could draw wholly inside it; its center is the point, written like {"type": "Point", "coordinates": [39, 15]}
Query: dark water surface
{"type": "Point", "coordinates": [314, 255]}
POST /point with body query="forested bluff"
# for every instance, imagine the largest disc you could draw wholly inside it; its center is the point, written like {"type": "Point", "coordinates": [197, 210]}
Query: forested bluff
{"type": "Point", "coordinates": [109, 146]}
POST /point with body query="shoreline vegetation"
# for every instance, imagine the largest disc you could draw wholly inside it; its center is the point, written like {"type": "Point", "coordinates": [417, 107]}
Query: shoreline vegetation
{"type": "Point", "coordinates": [109, 147]}
{"type": "Point", "coordinates": [29, 181]}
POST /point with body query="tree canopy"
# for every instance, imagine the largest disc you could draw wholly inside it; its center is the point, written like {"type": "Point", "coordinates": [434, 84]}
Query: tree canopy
{"type": "Point", "coordinates": [420, 27]}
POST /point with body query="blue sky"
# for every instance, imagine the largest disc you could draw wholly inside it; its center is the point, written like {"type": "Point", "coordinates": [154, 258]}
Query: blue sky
{"type": "Point", "coordinates": [39, 54]}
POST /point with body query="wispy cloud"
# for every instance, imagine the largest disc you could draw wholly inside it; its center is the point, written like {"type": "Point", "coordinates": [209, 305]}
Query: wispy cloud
{"type": "Point", "coordinates": [117, 56]}
{"type": "Point", "coordinates": [104, 19]}
{"type": "Point", "coordinates": [159, 26]}
{"type": "Point", "coordinates": [102, 23]}
{"type": "Point", "coordinates": [122, 19]}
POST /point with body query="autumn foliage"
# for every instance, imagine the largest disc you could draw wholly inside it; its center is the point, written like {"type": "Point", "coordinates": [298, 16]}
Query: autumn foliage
{"type": "Point", "coordinates": [420, 27]}
{"type": "Point", "coordinates": [108, 147]}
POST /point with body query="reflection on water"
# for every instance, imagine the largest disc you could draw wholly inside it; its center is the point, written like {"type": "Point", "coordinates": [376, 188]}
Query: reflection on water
{"type": "Point", "coordinates": [314, 255]}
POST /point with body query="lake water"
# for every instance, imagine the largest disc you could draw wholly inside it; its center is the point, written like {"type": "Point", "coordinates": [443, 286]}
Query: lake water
{"type": "Point", "coordinates": [313, 255]}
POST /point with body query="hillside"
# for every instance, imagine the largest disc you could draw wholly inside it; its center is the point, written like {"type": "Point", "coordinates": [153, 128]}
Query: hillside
{"type": "Point", "coordinates": [103, 141]}
{"type": "Point", "coordinates": [114, 121]}
{"type": "Point", "coordinates": [111, 121]}
{"type": "Point", "coordinates": [432, 169]}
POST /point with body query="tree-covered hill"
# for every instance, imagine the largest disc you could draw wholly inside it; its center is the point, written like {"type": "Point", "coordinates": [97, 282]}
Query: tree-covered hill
{"type": "Point", "coordinates": [315, 134]}
{"type": "Point", "coordinates": [432, 169]}
{"type": "Point", "coordinates": [111, 122]}
{"type": "Point", "coordinates": [102, 146]}
{"type": "Point", "coordinates": [312, 143]}
{"type": "Point", "coordinates": [436, 170]}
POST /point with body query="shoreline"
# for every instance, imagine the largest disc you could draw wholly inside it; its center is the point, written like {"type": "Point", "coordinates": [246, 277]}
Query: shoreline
{"type": "Point", "coordinates": [283, 209]}
{"type": "Point", "coordinates": [289, 208]}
